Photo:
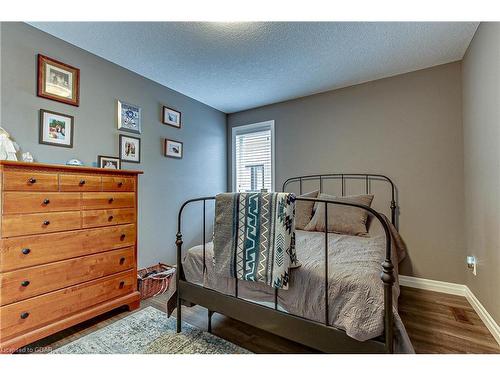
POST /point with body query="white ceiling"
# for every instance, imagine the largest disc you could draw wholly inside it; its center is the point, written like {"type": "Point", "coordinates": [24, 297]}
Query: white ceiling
{"type": "Point", "coordinates": [237, 66]}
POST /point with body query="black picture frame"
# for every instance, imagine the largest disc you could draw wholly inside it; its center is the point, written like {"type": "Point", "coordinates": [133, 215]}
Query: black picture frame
{"type": "Point", "coordinates": [166, 121]}
{"type": "Point", "coordinates": [173, 156]}
{"type": "Point", "coordinates": [121, 149]}
{"type": "Point", "coordinates": [41, 140]}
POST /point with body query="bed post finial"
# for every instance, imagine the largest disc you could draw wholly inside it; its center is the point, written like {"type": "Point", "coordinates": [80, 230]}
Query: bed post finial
{"type": "Point", "coordinates": [388, 279]}
{"type": "Point", "coordinates": [178, 242]}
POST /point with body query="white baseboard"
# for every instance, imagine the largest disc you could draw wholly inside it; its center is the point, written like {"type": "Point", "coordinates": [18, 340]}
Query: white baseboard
{"type": "Point", "coordinates": [458, 290]}
{"type": "Point", "coordinates": [434, 285]}
{"type": "Point", "coordinates": [487, 319]}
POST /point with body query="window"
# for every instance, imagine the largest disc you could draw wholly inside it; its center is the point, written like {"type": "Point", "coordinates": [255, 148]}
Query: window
{"type": "Point", "coordinates": [253, 157]}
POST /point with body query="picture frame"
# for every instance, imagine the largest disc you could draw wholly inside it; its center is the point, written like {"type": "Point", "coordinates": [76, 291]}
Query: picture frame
{"type": "Point", "coordinates": [173, 149]}
{"type": "Point", "coordinates": [109, 162]}
{"type": "Point", "coordinates": [58, 81]}
{"type": "Point", "coordinates": [130, 149]}
{"type": "Point", "coordinates": [170, 116]}
{"type": "Point", "coordinates": [56, 129]}
{"type": "Point", "coordinates": [129, 117]}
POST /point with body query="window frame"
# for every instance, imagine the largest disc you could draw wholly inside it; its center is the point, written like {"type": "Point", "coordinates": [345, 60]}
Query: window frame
{"type": "Point", "coordinates": [252, 128]}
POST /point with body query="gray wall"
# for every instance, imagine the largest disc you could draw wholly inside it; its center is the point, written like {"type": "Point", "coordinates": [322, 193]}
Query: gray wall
{"type": "Point", "coordinates": [408, 127]}
{"type": "Point", "coordinates": [481, 120]}
{"type": "Point", "coordinates": [166, 182]}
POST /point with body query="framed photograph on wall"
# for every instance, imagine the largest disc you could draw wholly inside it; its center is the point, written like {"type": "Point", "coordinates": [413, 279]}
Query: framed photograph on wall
{"type": "Point", "coordinates": [171, 117]}
{"type": "Point", "coordinates": [129, 117]}
{"type": "Point", "coordinates": [130, 149]}
{"type": "Point", "coordinates": [58, 81]}
{"type": "Point", "coordinates": [174, 149]}
{"type": "Point", "coordinates": [109, 162]}
{"type": "Point", "coordinates": [56, 129]}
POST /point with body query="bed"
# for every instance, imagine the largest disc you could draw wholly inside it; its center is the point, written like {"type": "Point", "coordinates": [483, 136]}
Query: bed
{"type": "Point", "coordinates": [359, 312]}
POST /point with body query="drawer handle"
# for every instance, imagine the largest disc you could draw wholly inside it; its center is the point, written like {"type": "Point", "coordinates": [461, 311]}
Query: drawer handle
{"type": "Point", "coordinates": [122, 284]}
{"type": "Point", "coordinates": [25, 283]}
{"type": "Point", "coordinates": [110, 218]}
{"type": "Point", "coordinates": [120, 184]}
{"type": "Point", "coordinates": [32, 180]}
{"type": "Point", "coordinates": [46, 201]}
{"type": "Point", "coordinates": [110, 200]}
{"type": "Point", "coordinates": [46, 222]}
{"type": "Point", "coordinates": [82, 182]}
{"type": "Point", "coordinates": [122, 237]}
{"type": "Point", "coordinates": [24, 315]}
{"type": "Point", "coordinates": [122, 260]}
{"type": "Point", "coordinates": [26, 251]}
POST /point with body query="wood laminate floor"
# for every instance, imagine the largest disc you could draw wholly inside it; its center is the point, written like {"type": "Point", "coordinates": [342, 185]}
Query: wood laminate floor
{"type": "Point", "coordinates": [436, 323]}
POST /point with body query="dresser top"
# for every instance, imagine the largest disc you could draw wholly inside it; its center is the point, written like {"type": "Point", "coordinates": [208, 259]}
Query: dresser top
{"type": "Point", "coordinates": [70, 168]}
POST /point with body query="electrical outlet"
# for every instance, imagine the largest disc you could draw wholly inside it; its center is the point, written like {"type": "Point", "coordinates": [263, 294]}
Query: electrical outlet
{"type": "Point", "coordinates": [472, 264]}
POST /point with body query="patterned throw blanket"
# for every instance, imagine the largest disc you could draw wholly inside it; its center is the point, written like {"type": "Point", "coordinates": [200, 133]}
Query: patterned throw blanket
{"type": "Point", "coordinates": [254, 237]}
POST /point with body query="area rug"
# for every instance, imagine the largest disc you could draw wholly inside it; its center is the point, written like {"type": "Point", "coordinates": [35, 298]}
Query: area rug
{"type": "Point", "coordinates": [149, 331]}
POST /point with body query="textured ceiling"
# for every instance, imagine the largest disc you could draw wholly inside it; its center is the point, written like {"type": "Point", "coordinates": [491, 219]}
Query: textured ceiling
{"type": "Point", "coordinates": [237, 66]}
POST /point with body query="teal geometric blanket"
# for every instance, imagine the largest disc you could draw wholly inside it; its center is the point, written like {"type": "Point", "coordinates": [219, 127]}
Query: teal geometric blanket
{"type": "Point", "coordinates": [254, 237]}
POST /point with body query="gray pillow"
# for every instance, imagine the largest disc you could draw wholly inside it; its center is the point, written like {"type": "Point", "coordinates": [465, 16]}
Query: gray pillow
{"type": "Point", "coordinates": [341, 219]}
{"type": "Point", "coordinates": [304, 210]}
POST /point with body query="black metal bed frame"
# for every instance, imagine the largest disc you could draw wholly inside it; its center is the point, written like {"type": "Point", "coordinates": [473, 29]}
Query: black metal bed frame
{"type": "Point", "coordinates": [320, 336]}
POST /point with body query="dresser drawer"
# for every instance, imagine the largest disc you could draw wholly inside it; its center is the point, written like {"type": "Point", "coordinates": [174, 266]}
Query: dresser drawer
{"type": "Point", "coordinates": [30, 181]}
{"type": "Point", "coordinates": [95, 201]}
{"type": "Point", "coordinates": [118, 184]}
{"type": "Point", "coordinates": [25, 224]}
{"type": "Point", "coordinates": [100, 218]}
{"type": "Point", "coordinates": [30, 282]}
{"type": "Point", "coordinates": [73, 182]}
{"type": "Point", "coordinates": [21, 252]}
{"type": "Point", "coordinates": [27, 202]}
{"type": "Point", "coordinates": [19, 317]}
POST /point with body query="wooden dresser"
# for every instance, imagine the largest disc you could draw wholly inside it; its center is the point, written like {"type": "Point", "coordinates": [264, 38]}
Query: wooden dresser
{"type": "Point", "coordinates": [68, 247]}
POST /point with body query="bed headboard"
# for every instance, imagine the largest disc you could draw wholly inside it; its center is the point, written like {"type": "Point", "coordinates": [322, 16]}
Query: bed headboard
{"type": "Point", "coordinates": [342, 178]}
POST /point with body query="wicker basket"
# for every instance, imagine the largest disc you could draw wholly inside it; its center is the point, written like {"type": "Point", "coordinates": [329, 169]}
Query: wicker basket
{"type": "Point", "coordinates": [154, 280]}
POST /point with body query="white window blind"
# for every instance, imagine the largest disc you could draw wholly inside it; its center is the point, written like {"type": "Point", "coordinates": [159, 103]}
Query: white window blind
{"type": "Point", "coordinates": [252, 156]}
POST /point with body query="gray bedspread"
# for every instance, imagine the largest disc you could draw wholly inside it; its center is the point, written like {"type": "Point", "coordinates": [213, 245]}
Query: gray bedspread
{"type": "Point", "coordinates": [356, 298]}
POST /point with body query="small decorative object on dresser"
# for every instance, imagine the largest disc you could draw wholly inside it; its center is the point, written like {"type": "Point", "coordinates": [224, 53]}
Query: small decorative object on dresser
{"type": "Point", "coordinates": [58, 81]}
{"type": "Point", "coordinates": [75, 162]}
{"type": "Point", "coordinates": [171, 117]}
{"type": "Point", "coordinates": [130, 149]}
{"type": "Point", "coordinates": [108, 162]}
{"type": "Point", "coordinates": [56, 129]}
{"type": "Point", "coordinates": [69, 250]}
{"type": "Point", "coordinates": [27, 157]}
{"type": "Point", "coordinates": [173, 149]}
{"type": "Point", "coordinates": [129, 117]}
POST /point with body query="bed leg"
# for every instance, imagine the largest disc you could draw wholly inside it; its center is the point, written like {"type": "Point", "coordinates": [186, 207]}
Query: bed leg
{"type": "Point", "coordinates": [209, 328]}
{"type": "Point", "coordinates": [179, 316]}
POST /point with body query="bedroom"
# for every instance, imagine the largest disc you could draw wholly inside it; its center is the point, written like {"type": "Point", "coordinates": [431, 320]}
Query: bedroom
{"type": "Point", "coordinates": [386, 133]}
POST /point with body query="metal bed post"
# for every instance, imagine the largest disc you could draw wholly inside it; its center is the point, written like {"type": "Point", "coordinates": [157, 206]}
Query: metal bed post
{"type": "Point", "coordinates": [326, 264]}
{"type": "Point", "coordinates": [178, 242]}
{"type": "Point", "coordinates": [204, 241]}
{"type": "Point", "coordinates": [388, 279]}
